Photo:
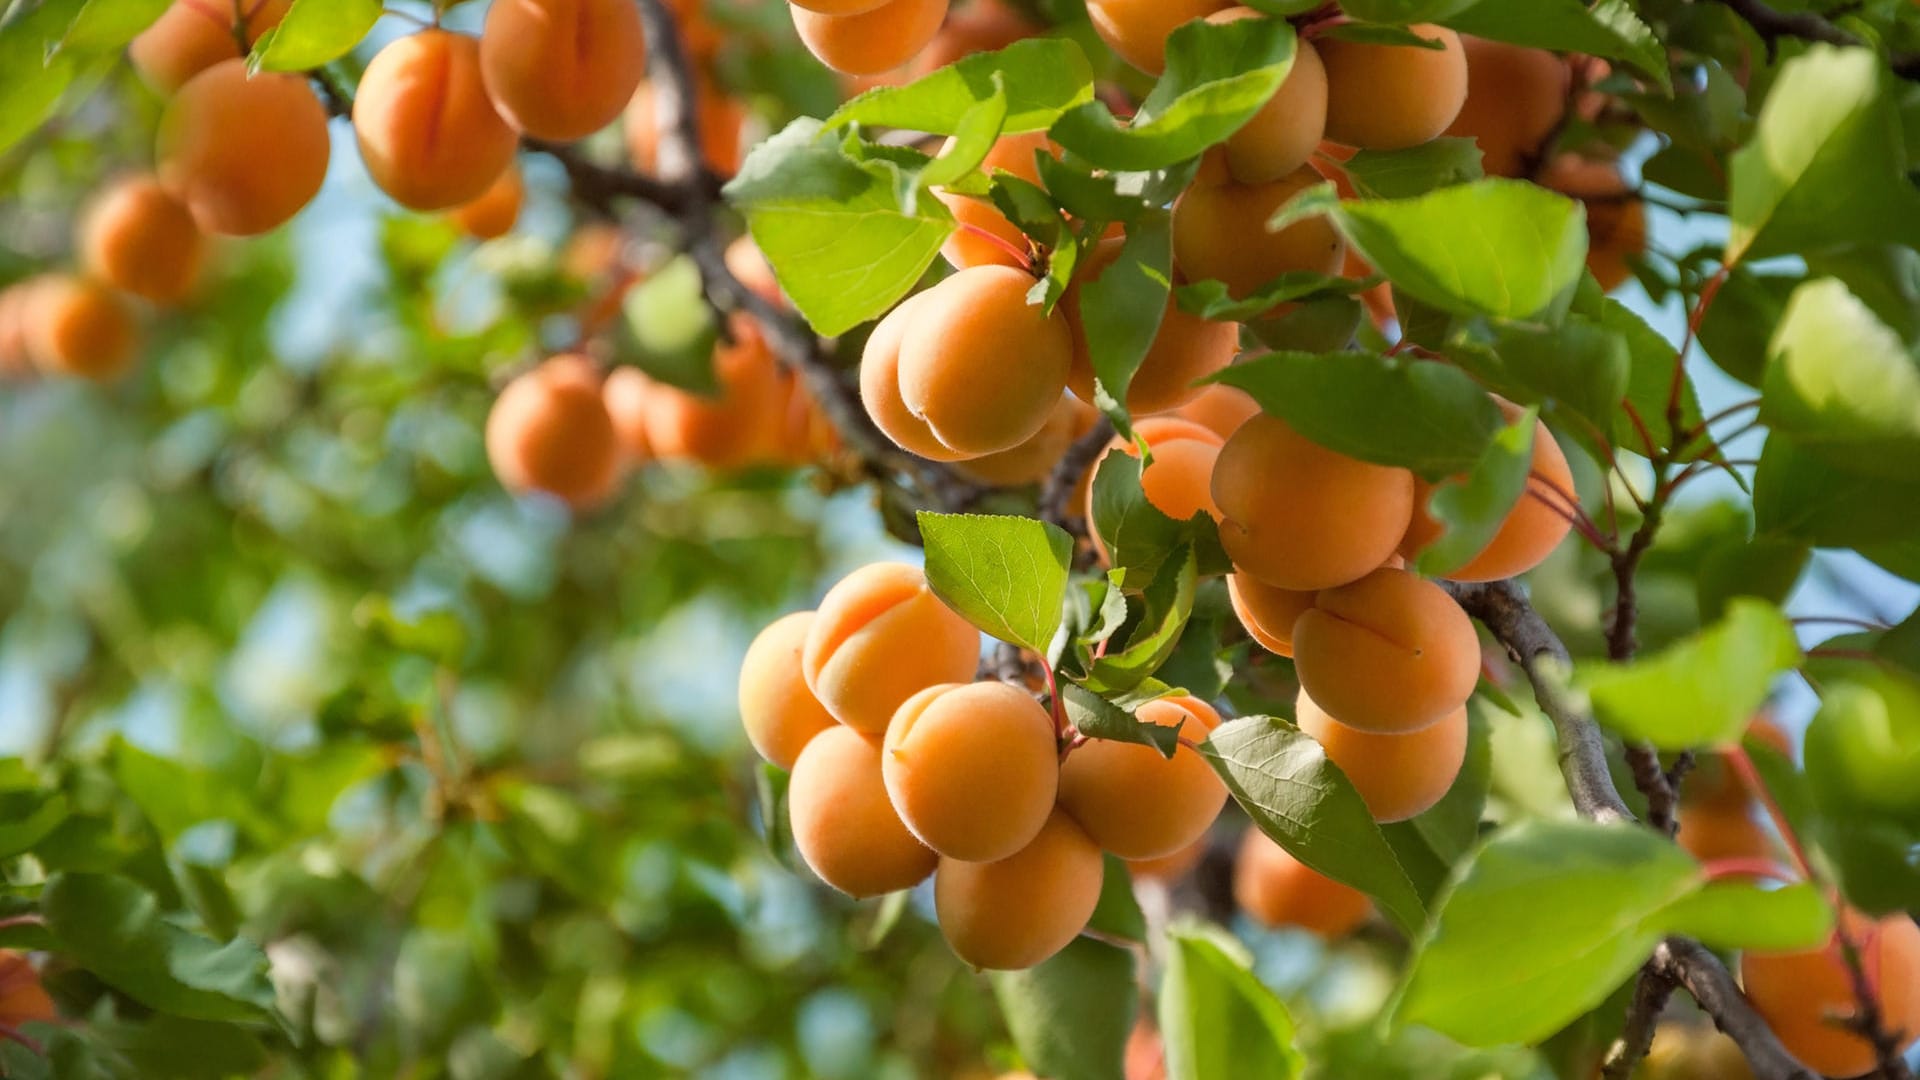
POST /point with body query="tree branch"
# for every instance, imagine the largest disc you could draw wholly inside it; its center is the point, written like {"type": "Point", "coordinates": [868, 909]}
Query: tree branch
{"type": "Point", "coordinates": [1651, 992]}
{"type": "Point", "coordinates": [1693, 966]}
{"type": "Point", "coordinates": [1772, 24]}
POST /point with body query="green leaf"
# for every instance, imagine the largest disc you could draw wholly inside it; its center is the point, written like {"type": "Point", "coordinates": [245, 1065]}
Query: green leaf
{"type": "Point", "coordinates": [1544, 922]}
{"type": "Point", "coordinates": [1402, 174]}
{"type": "Point", "coordinates": [1296, 796]}
{"type": "Point", "coordinates": [1431, 844]}
{"type": "Point", "coordinates": [1415, 414]}
{"type": "Point", "coordinates": [1798, 495]}
{"type": "Point", "coordinates": [1209, 299]}
{"type": "Point", "coordinates": [1492, 247]}
{"type": "Point", "coordinates": [1216, 1018]}
{"type": "Point", "coordinates": [1121, 311]}
{"type": "Point", "coordinates": [1824, 166]}
{"type": "Point", "coordinates": [1742, 915]}
{"type": "Point", "coordinates": [1650, 362]}
{"type": "Point", "coordinates": [1118, 914]}
{"type": "Point", "coordinates": [1765, 568]}
{"type": "Point", "coordinates": [1841, 383]}
{"type": "Point", "coordinates": [26, 817]}
{"type": "Point", "coordinates": [1167, 603]}
{"type": "Point", "coordinates": [1006, 575]}
{"type": "Point", "coordinates": [113, 928]}
{"type": "Point", "coordinates": [1701, 691]}
{"type": "Point", "coordinates": [1043, 77]}
{"type": "Point", "coordinates": [1579, 365]}
{"type": "Point", "coordinates": [1070, 1016]}
{"type": "Point", "coordinates": [171, 1048]}
{"type": "Point", "coordinates": [315, 32]}
{"type": "Point", "coordinates": [1736, 330]}
{"type": "Point", "coordinates": [1137, 535]}
{"type": "Point", "coordinates": [1097, 718]}
{"type": "Point", "coordinates": [832, 227]}
{"type": "Point", "coordinates": [1609, 28]}
{"type": "Point", "coordinates": [973, 137]}
{"type": "Point", "coordinates": [32, 76]}
{"type": "Point", "coordinates": [1863, 746]}
{"type": "Point", "coordinates": [1471, 509]}
{"type": "Point", "coordinates": [1217, 77]}
{"type": "Point", "coordinates": [109, 24]}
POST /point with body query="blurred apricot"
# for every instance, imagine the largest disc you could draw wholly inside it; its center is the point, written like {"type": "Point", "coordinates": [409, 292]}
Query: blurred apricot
{"type": "Point", "coordinates": [1136, 803]}
{"type": "Point", "coordinates": [191, 36]}
{"type": "Point", "coordinates": [1714, 833]}
{"type": "Point", "coordinates": [719, 119]}
{"type": "Point", "coordinates": [1186, 349]}
{"type": "Point", "coordinates": [1807, 996]}
{"type": "Point", "coordinates": [1277, 890]}
{"type": "Point", "coordinates": [1516, 98]}
{"type": "Point", "coordinates": [750, 268]}
{"type": "Point", "coordinates": [1137, 30]}
{"type": "Point", "coordinates": [139, 239]}
{"type": "Point", "coordinates": [977, 27]}
{"type": "Point", "coordinates": [1684, 1050]}
{"type": "Point", "coordinates": [220, 129]}
{"type": "Point", "coordinates": [780, 714]}
{"type": "Point", "coordinates": [625, 393]}
{"type": "Point", "coordinates": [1172, 866]}
{"type": "Point", "coordinates": [880, 637]}
{"type": "Point", "coordinates": [1020, 910]}
{"type": "Point", "coordinates": [1616, 217]}
{"type": "Point", "coordinates": [15, 359]}
{"type": "Point", "coordinates": [427, 130]}
{"type": "Point", "coordinates": [562, 69]}
{"type": "Point", "coordinates": [494, 213]}
{"type": "Point", "coordinates": [1389, 97]}
{"type": "Point", "coordinates": [23, 1000]}
{"type": "Point", "coordinates": [549, 431]}
{"type": "Point", "coordinates": [844, 825]}
{"type": "Point", "coordinates": [79, 327]}
{"type": "Point", "coordinates": [736, 426]}
{"type": "Point", "coordinates": [874, 40]}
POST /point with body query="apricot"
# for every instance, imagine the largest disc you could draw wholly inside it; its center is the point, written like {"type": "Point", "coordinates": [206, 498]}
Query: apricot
{"type": "Point", "coordinates": [191, 36]}
{"type": "Point", "coordinates": [139, 239]}
{"type": "Point", "coordinates": [1714, 783]}
{"type": "Point", "coordinates": [1516, 97]}
{"type": "Point", "coordinates": [1186, 349]}
{"type": "Point", "coordinates": [1616, 217]}
{"type": "Point", "coordinates": [1013, 154]}
{"type": "Point", "coordinates": [1177, 481]}
{"type": "Point", "coordinates": [15, 359]}
{"type": "Point", "coordinates": [1277, 890]}
{"type": "Point", "coordinates": [22, 999]}
{"type": "Point", "coordinates": [1693, 1051]}
{"type": "Point", "coordinates": [1297, 515]}
{"type": "Point", "coordinates": [493, 214]}
{"type": "Point", "coordinates": [1033, 461]}
{"type": "Point", "coordinates": [1220, 231]}
{"type": "Point", "coordinates": [1137, 30]}
{"type": "Point", "coordinates": [1136, 803]}
{"type": "Point", "coordinates": [1398, 775]}
{"type": "Point", "coordinates": [1389, 653]}
{"type": "Point", "coordinates": [1221, 408]}
{"type": "Point", "coordinates": [718, 119]}
{"type": "Point", "coordinates": [838, 7]}
{"type": "Point", "coordinates": [1281, 136]}
{"type": "Point", "coordinates": [562, 69]}
{"type": "Point", "coordinates": [219, 132]}
{"type": "Point", "coordinates": [1389, 97]}
{"type": "Point", "coordinates": [427, 130]}
{"type": "Point", "coordinates": [1714, 833]}
{"type": "Point", "coordinates": [880, 387]}
{"type": "Point", "coordinates": [879, 638]}
{"type": "Point", "coordinates": [737, 427]}
{"type": "Point", "coordinates": [1527, 535]}
{"type": "Point", "coordinates": [625, 392]}
{"type": "Point", "coordinates": [1267, 613]}
{"type": "Point", "coordinates": [871, 41]}
{"type": "Point", "coordinates": [981, 365]}
{"type": "Point", "coordinates": [1170, 867]}
{"type": "Point", "coordinates": [749, 266]}
{"type": "Point", "coordinates": [549, 431]}
{"type": "Point", "coordinates": [972, 768]}
{"type": "Point", "coordinates": [806, 434]}
{"type": "Point", "coordinates": [79, 327]}
{"type": "Point", "coordinates": [1807, 996]}
{"type": "Point", "coordinates": [780, 714]}
{"type": "Point", "coordinates": [981, 26]}
{"type": "Point", "coordinates": [1020, 910]}
{"type": "Point", "coordinates": [843, 824]}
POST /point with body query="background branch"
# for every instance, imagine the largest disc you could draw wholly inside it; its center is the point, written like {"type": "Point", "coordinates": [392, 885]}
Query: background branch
{"type": "Point", "coordinates": [1772, 24]}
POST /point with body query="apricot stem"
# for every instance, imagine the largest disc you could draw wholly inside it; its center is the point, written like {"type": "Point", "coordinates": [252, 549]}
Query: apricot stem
{"type": "Point", "coordinates": [1022, 258]}
{"type": "Point", "coordinates": [1054, 704]}
{"type": "Point", "coordinates": [27, 919]}
{"type": "Point", "coordinates": [1719, 869]}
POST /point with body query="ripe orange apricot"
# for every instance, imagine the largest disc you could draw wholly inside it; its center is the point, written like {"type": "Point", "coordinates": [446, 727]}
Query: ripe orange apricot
{"type": "Point", "coordinates": [879, 638]}
{"type": "Point", "coordinates": [1807, 996]}
{"type": "Point", "coordinates": [845, 828]}
{"type": "Point", "coordinates": [1032, 461]}
{"type": "Point", "coordinates": [549, 431]}
{"type": "Point", "coordinates": [15, 359]}
{"type": "Point", "coordinates": [1187, 348]}
{"type": "Point", "coordinates": [718, 117]}
{"type": "Point", "coordinates": [1711, 833]}
{"type": "Point", "coordinates": [972, 768]}
{"type": "Point", "coordinates": [1220, 407]}
{"type": "Point", "coordinates": [838, 7]}
{"type": "Point", "coordinates": [1013, 154]}
{"type": "Point", "coordinates": [1616, 217]}
{"type": "Point", "coordinates": [1177, 481]}
{"type": "Point", "coordinates": [780, 714]}
{"type": "Point", "coordinates": [980, 26]}
{"type": "Point", "coordinates": [1277, 890]}
{"type": "Point", "coordinates": [1136, 803]}
{"type": "Point", "coordinates": [806, 435]}
{"type": "Point", "coordinates": [1516, 97]}
{"type": "Point", "coordinates": [1220, 231]}
{"type": "Point", "coordinates": [1716, 784]}
{"type": "Point", "coordinates": [1388, 97]}
{"type": "Point", "coordinates": [221, 129]}
{"type": "Point", "coordinates": [872, 41]}
{"type": "Point", "coordinates": [1138, 29]}
{"type": "Point", "coordinates": [1530, 531]}
{"type": "Point", "coordinates": [22, 999]}
{"type": "Point", "coordinates": [749, 266]}
{"type": "Point", "coordinates": [981, 365]}
{"type": "Point", "coordinates": [625, 393]}
{"type": "Point", "coordinates": [736, 428]}
{"type": "Point", "coordinates": [139, 239]}
{"type": "Point", "coordinates": [493, 214]}
{"type": "Point", "coordinates": [1281, 136]}
{"type": "Point", "coordinates": [1389, 653]}
{"type": "Point", "coordinates": [193, 35]}
{"type": "Point", "coordinates": [1267, 613]}
{"type": "Point", "coordinates": [1022, 909]}
{"type": "Point", "coordinates": [79, 327]}
{"type": "Point", "coordinates": [427, 130]}
{"type": "Point", "coordinates": [880, 387]}
{"type": "Point", "coordinates": [1173, 866]}
{"type": "Point", "coordinates": [1297, 515]}
{"type": "Point", "coordinates": [1399, 775]}
{"type": "Point", "coordinates": [562, 69]}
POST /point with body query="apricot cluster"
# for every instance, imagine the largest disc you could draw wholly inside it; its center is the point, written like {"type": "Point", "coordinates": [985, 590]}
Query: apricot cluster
{"type": "Point", "coordinates": [903, 767]}
{"type": "Point", "coordinates": [1808, 996]}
